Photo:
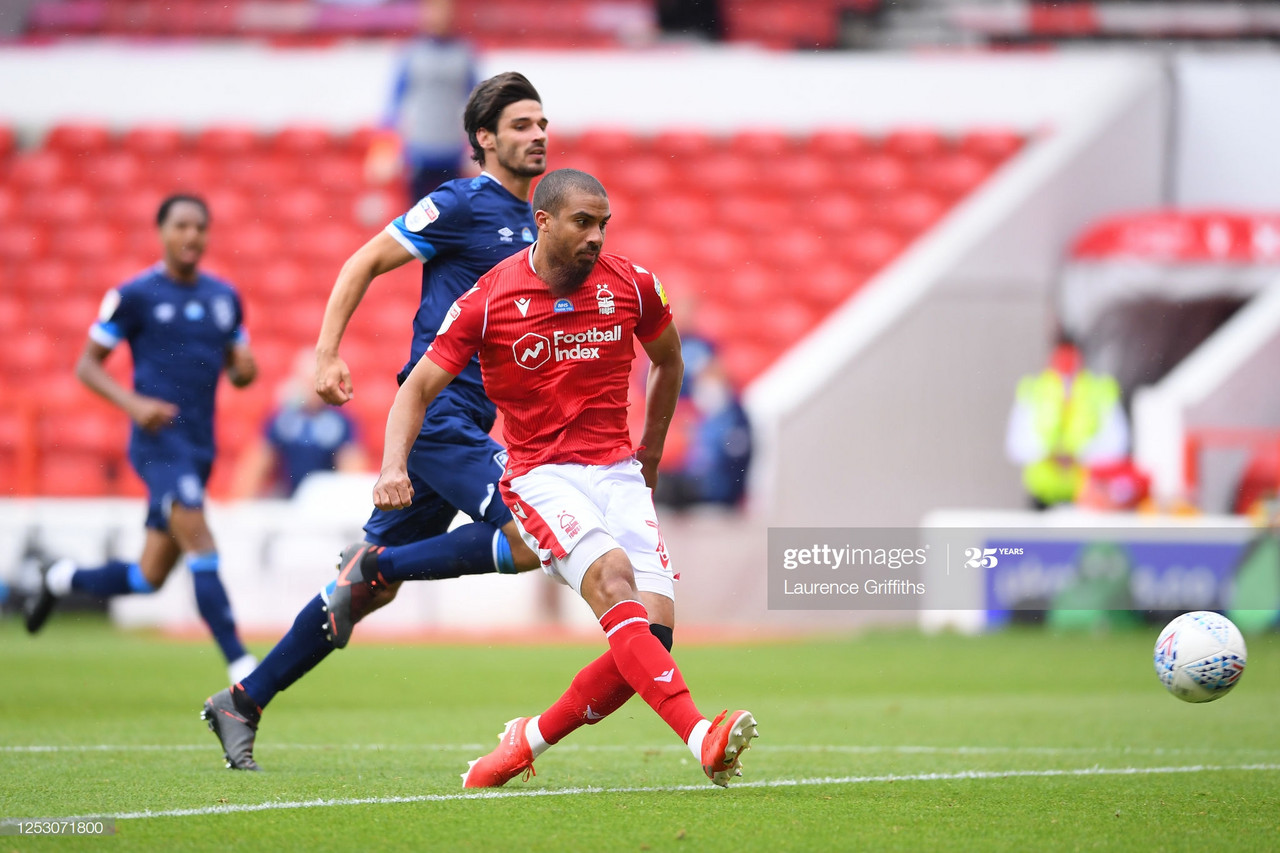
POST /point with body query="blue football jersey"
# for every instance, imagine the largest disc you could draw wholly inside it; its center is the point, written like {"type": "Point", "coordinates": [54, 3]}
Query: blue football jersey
{"type": "Point", "coordinates": [459, 232]}
{"type": "Point", "coordinates": [179, 335]}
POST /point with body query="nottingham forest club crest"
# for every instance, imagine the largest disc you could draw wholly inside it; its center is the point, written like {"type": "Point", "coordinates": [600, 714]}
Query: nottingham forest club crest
{"type": "Point", "coordinates": [604, 299]}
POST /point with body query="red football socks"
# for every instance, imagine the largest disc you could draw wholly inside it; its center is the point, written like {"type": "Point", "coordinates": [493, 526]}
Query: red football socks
{"type": "Point", "coordinates": [648, 667]}
{"type": "Point", "coordinates": [596, 692]}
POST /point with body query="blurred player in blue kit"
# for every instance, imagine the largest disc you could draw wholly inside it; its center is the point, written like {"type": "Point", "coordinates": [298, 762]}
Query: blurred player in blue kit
{"type": "Point", "coordinates": [184, 329]}
{"type": "Point", "coordinates": [458, 232]}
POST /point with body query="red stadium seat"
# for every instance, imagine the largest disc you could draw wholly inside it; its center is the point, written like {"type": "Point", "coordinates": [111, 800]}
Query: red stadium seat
{"type": "Point", "coordinates": [713, 251]}
{"type": "Point", "coordinates": [915, 143]}
{"type": "Point", "coordinates": [13, 309]}
{"type": "Point", "coordinates": [796, 248]}
{"type": "Point", "coordinates": [336, 172]}
{"type": "Point", "coordinates": [301, 207]}
{"type": "Point", "coordinates": [38, 170]}
{"type": "Point", "coordinates": [835, 212]}
{"type": "Point", "coordinates": [23, 243]}
{"type": "Point", "coordinates": [677, 213]}
{"type": "Point", "coordinates": [685, 143]}
{"type": "Point", "coordinates": [131, 209]}
{"type": "Point", "coordinates": [641, 174]}
{"type": "Point", "coordinates": [114, 171]}
{"type": "Point", "coordinates": [875, 175]}
{"type": "Point", "coordinates": [761, 145]}
{"type": "Point", "coordinates": [47, 278]}
{"type": "Point", "coordinates": [78, 139]}
{"type": "Point", "coordinates": [954, 175]}
{"type": "Point", "coordinates": [285, 281]}
{"type": "Point", "coordinates": [913, 212]}
{"type": "Point", "coordinates": [802, 175]}
{"type": "Point", "coordinates": [255, 242]}
{"type": "Point", "coordinates": [749, 213]}
{"type": "Point", "coordinates": [830, 283]}
{"type": "Point", "coordinates": [720, 174]}
{"type": "Point", "coordinates": [228, 140]}
{"type": "Point", "coordinates": [992, 144]}
{"type": "Point", "coordinates": [263, 174]}
{"type": "Point", "coordinates": [154, 140]}
{"type": "Point", "coordinates": [10, 202]}
{"type": "Point", "coordinates": [187, 173]}
{"type": "Point", "coordinates": [91, 244]}
{"type": "Point", "coordinates": [610, 144]}
{"type": "Point", "coordinates": [745, 361]}
{"type": "Point", "coordinates": [229, 208]}
{"type": "Point", "coordinates": [61, 207]}
{"type": "Point", "coordinates": [870, 249]}
{"type": "Point", "coordinates": [303, 141]}
{"type": "Point", "coordinates": [29, 354]}
{"type": "Point", "coordinates": [75, 475]}
{"type": "Point", "coordinates": [838, 144]}
{"type": "Point", "coordinates": [643, 245]}
{"type": "Point", "coordinates": [752, 289]}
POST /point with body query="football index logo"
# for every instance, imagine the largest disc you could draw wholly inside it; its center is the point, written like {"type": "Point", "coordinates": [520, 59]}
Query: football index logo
{"type": "Point", "coordinates": [531, 351]}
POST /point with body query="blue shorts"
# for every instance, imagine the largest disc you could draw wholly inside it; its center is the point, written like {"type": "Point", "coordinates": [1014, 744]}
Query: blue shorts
{"type": "Point", "coordinates": [170, 477]}
{"type": "Point", "coordinates": [454, 466]}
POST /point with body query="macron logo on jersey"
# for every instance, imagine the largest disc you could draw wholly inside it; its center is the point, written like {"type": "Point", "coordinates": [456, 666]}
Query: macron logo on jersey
{"type": "Point", "coordinates": [563, 340]}
{"type": "Point", "coordinates": [523, 304]}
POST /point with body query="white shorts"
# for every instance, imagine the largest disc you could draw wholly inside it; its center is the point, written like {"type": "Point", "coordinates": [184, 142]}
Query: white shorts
{"type": "Point", "coordinates": [571, 515]}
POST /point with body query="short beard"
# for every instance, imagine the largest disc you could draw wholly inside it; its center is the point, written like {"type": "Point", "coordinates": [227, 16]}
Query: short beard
{"type": "Point", "coordinates": [564, 280]}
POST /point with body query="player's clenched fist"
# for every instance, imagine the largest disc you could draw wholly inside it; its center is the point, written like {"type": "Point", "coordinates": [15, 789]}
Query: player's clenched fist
{"type": "Point", "coordinates": [333, 379]}
{"type": "Point", "coordinates": [393, 490]}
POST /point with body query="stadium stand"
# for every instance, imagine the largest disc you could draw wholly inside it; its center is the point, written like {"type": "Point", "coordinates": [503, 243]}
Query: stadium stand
{"type": "Point", "coordinates": [567, 24]}
{"type": "Point", "coordinates": [288, 207]}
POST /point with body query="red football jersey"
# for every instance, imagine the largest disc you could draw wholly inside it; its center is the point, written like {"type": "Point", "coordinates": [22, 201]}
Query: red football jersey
{"type": "Point", "coordinates": [558, 368]}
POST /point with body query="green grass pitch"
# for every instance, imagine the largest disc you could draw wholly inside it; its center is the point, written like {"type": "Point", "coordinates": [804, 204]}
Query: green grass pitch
{"type": "Point", "coordinates": [1022, 740]}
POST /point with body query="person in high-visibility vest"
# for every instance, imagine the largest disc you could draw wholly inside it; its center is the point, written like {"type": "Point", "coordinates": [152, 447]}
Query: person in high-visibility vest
{"type": "Point", "coordinates": [1065, 421]}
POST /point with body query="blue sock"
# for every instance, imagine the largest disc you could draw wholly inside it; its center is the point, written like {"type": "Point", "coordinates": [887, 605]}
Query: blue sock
{"type": "Point", "coordinates": [114, 578]}
{"type": "Point", "coordinates": [297, 653]}
{"type": "Point", "coordinates": [215, 609]}
{"type": "Point", "coordinates": [473, 549]}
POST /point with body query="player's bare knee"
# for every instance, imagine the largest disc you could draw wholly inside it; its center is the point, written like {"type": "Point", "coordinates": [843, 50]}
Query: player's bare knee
{"type": "Point", "coordinates": [611, 579]}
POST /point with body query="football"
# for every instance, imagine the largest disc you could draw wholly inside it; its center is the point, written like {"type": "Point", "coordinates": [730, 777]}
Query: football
{"type": "Point", "coordinates": [1200, 656]}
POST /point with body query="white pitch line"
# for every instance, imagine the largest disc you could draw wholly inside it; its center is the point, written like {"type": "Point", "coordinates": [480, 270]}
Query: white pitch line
{"type": "Point", "coordinates": [849, 749]}
{"type": "Point", "coordinates": [961, 776]}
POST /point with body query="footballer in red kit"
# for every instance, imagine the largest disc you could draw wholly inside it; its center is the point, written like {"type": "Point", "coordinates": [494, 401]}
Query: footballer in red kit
{"type": "Point", "coordinates": [555, 327]}
{"type": "Point", "coordinates": [557, 367]}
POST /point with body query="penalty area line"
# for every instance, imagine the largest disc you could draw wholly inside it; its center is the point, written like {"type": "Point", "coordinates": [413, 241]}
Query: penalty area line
{"type": "Point", "coordinates": [961, 776]}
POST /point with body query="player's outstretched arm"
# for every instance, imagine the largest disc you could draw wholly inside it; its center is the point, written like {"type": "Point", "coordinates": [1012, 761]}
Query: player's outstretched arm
{"type": "Point", "coordinates": [381, 254]}
{"type": "Point", "coordinates": [424, 383]}
{"type": "Point", "coordinates": [661, 394]}
{"type": "Point", "coordinates": [242, 367]}
{"type": "Point", "coordinates": [147, 412]}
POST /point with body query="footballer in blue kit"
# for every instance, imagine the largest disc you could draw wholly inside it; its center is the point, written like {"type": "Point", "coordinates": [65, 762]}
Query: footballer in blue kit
{"type": "Point", "coordinates": [184, 328]}
{"type": "Point", "coordinates": [458, 232]}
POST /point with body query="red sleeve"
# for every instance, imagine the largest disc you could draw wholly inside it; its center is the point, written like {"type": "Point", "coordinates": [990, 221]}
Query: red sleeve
{"type": "Point", "coordinates": [655, 313]}
{"type": "Point", "coordinates": [458, 337]}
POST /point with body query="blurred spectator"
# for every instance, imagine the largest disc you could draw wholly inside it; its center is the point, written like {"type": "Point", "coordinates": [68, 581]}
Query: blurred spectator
{"type": "Point", "coordinates": [302, 436]}
{"type": "Point", "coordinates": [1069, 432]}
{"type": "Point", "coordinates": [700, 18]}
{"type": "Point", "coordinates": [712, 450]}
{"type": "Point", "coordinates": [420, 128]}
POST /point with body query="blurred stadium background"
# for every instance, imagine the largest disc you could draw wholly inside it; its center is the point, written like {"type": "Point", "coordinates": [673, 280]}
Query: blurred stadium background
{"type": "Point", "coordinates": [879, 211]}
